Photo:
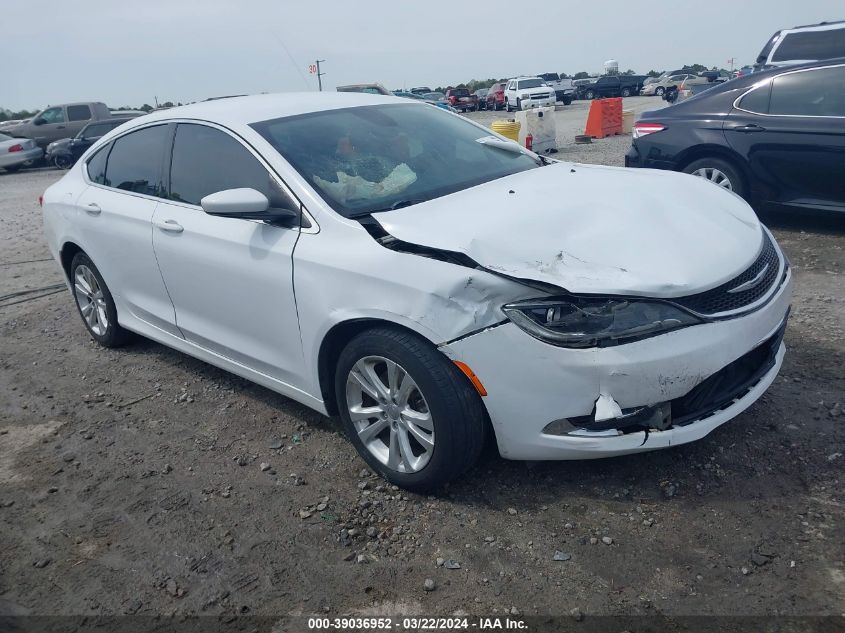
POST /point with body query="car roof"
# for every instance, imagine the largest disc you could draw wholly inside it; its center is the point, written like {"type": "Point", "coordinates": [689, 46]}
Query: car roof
{"type": "Point", "coordinates": [238, 111]}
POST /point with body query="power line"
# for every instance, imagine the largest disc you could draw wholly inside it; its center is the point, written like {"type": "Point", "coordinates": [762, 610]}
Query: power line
{"type": "Point", "coordinates": [295, 65]}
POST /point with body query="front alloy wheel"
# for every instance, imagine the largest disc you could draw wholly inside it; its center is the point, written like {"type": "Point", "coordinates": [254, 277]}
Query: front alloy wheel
{"type": "Point", "coordinates": [390, 414]}
{"type": "Point", "coordinates": [396, 394]}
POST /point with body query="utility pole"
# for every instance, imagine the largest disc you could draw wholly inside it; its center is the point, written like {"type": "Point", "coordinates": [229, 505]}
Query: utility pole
{"type": "Point", "coordinates": [731, 62]}
{"type": "Point", "coordinates": [319, 74]}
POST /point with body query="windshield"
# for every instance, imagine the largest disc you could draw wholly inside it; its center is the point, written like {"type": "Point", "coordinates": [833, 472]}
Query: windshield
{"type": "Point", "coordinates": [531, 83]}
{"type": "Point", "coordinates": [374, 158]}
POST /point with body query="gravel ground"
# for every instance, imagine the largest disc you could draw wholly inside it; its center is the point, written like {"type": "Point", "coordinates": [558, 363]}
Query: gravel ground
{"type": "Point", "coordinates": [141, 481]}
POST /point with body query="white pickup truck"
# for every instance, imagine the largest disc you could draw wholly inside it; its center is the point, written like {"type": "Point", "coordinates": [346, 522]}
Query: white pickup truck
{"type": "Point", "coordinates": [564, 90]}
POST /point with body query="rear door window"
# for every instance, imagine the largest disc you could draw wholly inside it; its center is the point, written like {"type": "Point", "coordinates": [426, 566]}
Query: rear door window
{"type": "Point", "coordinates": [97, 165]}
{"type": "Point", "coordinates": [78, 113]}
{"type": "Point", "coordinates": [757, 100]}
{"type": "Point", "coordinates": [206, 160]}
{"type": "Point", "coordinates": [811, 45]}
{"type": "Point", "coordinates": [135, 161]}
{"type": "Point", "coordinates": [809, 93]}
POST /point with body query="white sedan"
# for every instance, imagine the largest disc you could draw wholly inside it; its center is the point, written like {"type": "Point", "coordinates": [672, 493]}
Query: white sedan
{"type": "Point", "coordinates": [16, 152]}
{"type": "Point", "coordinates": [430, 283]}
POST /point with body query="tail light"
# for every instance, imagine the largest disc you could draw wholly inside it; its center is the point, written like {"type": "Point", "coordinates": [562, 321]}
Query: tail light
{"type": "Point", "coordinates": [16, 148]}
{"type": "Point", "coordinates": [641, 129]}
{"type": "Point", "coordinates": [529, 141]}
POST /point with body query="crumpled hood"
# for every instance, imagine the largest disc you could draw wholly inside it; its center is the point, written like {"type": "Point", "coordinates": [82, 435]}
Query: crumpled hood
{"type": "Point", "coordinates": [593, 229]}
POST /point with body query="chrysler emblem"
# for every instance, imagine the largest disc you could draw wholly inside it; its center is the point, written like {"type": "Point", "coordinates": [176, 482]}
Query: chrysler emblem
{"type": "Point", "coordinates": [751, 283]}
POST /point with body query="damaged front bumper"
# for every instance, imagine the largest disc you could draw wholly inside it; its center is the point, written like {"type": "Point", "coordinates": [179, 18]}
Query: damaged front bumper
{"type": "Point", "coordinates": [547, 402]}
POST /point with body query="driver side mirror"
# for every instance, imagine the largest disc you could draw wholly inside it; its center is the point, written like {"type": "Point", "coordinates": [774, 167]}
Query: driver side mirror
{"type": "Point", "coordinates": [38, 121]}
{"type": "Point", "coordinates": [245, 203]}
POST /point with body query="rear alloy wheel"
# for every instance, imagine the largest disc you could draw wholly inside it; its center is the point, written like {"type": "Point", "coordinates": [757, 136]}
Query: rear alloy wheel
{"type": "Point", "coordinates": [590, 95]}
{"type": "Point", "coordinates": [626, 92]}
{"type": "Point", "coordinates": [659, 91]}
{"type": "Point", "coordinates": [410, 413]}
{"type": "Point", "coordinates": [95, 303]}
{"type": "Point", "coordinates": [718, 171]}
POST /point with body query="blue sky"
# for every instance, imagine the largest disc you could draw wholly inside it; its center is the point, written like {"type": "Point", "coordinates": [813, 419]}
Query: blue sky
{"type": "Point", "coordinates": [129, 53]}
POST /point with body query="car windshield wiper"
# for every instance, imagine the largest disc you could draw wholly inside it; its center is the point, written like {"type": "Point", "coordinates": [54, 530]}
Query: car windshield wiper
{"type": "Point", "coordinates": [514, 148]}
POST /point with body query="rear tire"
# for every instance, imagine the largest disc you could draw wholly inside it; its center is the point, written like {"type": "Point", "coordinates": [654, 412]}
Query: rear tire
{"type": "Point", "coordinates": [63, 162]}
{"type": "Point", "coordinates": [720, 172]}
{"type": "Point", "coordinates": [12, 168]}
{"type": "Point", "coordinates": [658, 92]}
{"type": "Point", "coordinates": [438, 396]}
{"type": "Point", "coordinates": [590, 95]}
{"type": "Point", "coordinates": [95, 303]}
{"type": "Point", "coordinates": [626, 92]}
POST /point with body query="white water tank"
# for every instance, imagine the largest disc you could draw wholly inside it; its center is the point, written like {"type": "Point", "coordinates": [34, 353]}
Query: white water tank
{"type": "Point", "coordinates": [611, 67]}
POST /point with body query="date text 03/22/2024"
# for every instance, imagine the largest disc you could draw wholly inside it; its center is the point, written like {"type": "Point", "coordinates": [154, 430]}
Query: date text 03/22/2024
{"type": "Point", "coordinates": [417, 624]}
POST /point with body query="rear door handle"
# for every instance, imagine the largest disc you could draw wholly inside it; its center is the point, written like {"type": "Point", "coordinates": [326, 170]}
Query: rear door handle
{"type": "Point", "coordinates": [751, 127]}
{"type": "Point", "coordinates": [169, 225]}
{"type": "Point", "coordinates": [93, 209]}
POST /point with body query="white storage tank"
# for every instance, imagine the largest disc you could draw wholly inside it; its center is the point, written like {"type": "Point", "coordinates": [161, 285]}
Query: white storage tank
{"type": "Point", "coordinates": [611, 67]}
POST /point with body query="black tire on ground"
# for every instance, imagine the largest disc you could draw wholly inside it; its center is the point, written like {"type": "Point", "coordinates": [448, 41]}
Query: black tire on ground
{"type": "Point", "coordinates": [518, 104]}
{"type": "Point", "coordinates": [590, 95]}
{"type": "Point", "coordinates": [456, 409]}
{"type": "Point", "coordinates": [507, 105]}
{"type": "Point", "coordinates": [63, 162]}
{"type": "Point", "coordinates": [626, 92]}
{"type": "Point", "coordinates": [658, 92]}
{"type": "Point", "coordinates": [114, 335]}
{"type": "Point", "coordinates": [12, 168]}
{"type": "Point", "coordinates": [567, 101]}
{"type": "Point", "coordinates": [726, 167]}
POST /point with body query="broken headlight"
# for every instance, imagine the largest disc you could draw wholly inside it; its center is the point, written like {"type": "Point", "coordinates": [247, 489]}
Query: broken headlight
{"type": "Point", "coordinates": [596, 321]}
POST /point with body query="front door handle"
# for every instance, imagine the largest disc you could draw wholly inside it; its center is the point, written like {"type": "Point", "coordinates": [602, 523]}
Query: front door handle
{"type": "Point", "coordinates": [169, 225]}
{"type": "Point", "coordinates": [751, 127]}
{"type": "Point", "coordinates": [93, 209]}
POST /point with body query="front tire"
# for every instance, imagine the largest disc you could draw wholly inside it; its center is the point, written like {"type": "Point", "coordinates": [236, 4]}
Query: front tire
{"type": "Point", "coordinates": [658, 92]}
{"type": "Point", "coordinates": [95, 303]}
{"type": "Point", "coordinates": [590, 95]}
{"type": "Point", "coordinates": [410, 413]}
{"type": "Point", "coordinates": [718, 171]}
{"type": "Point", "coordinates": [626, 92]}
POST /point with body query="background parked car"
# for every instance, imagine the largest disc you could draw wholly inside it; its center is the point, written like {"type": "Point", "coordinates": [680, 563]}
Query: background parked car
{"type": "Point", "coordinates": [481, 95]}
{"type": "Point", "coordinates": [815, 42]}
{"type": "Point", "coordinates": [564, 90]}
{"type": "Point", "coordinates": [613, 86]}
{"type": "Point", "coordinates": [578, 83]}
{"type": "Point", "coordinates": [374, 89]}
{"type": "Point", "coordinates": [59, 121]}
{"type": "Point", "coordinates": [16, 152]}
{"type": "Point", "coordinates": [528, 92]}
{"type": "Point", "coordinates": [496, 96]}
{"type": "Point", "coordinates": [64, 153]}
{"type": "Point", "coordinates": [659, 88]}
{"type": "Point", "coordinates": [461, 99]}
{"type": "Point", "coordinates": [774, 137]}
{"type": "Point", "coordinates": [420, 90]}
